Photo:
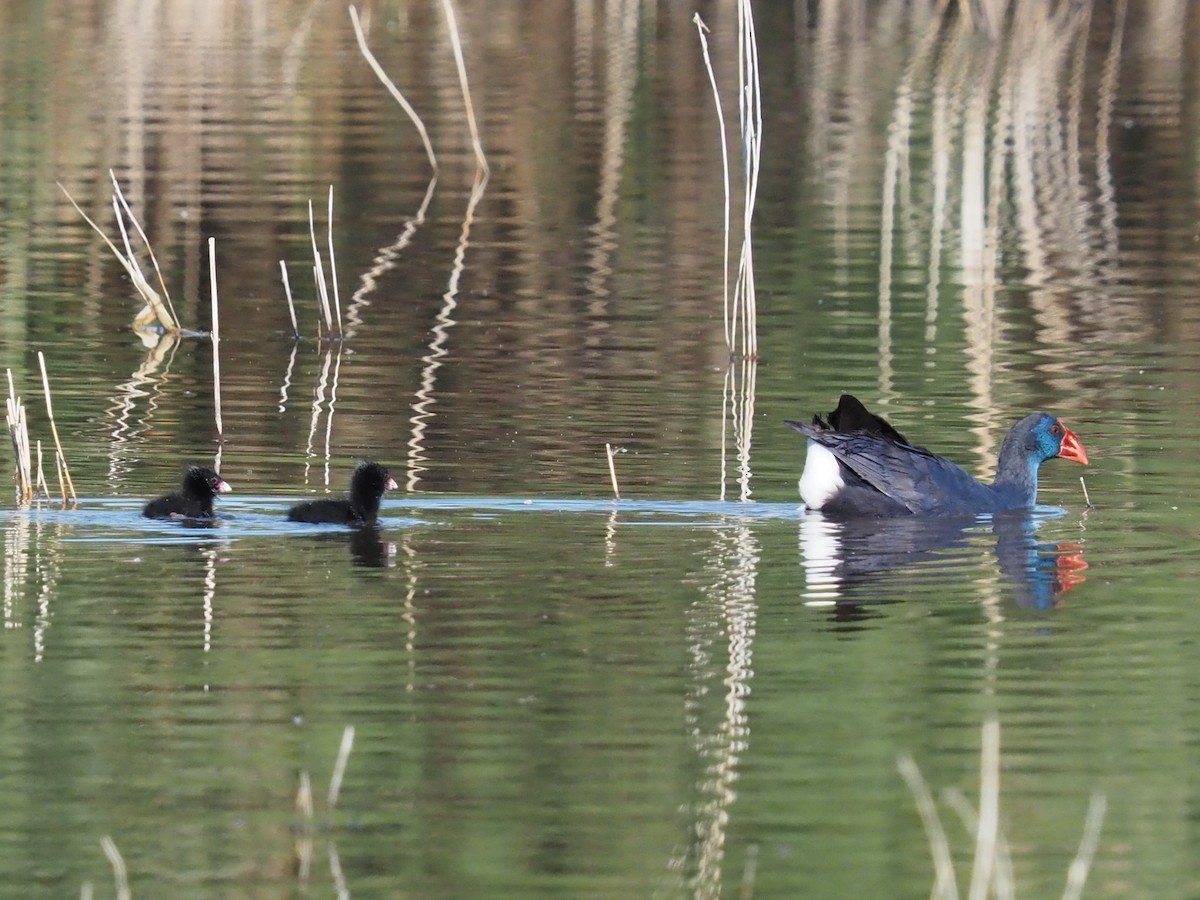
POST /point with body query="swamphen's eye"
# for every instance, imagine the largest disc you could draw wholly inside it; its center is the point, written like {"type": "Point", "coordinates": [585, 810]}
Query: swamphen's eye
{"type": "Point", "coordinates": [1056, 429]}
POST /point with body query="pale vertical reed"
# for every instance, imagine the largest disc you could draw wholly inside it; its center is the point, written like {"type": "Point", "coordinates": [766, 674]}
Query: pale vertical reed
{"type": "Point", "coordinates": [60, 460]}
{"type": "Point", "coordinates": [216, 336]}
{"type": "Point", "coordinates": [712, 80]}
{"type": "Point", "coordinates": [19, 432]}
{"type": "Point", "coordinates": [390, 85]}
{"type": "Point", "coordinates": [319, 273]}
{"type": "Point", "coordinates": [337, 302]}
{"type": "Point", "coordinates": [456, 44]}
{"type": "Point", "coordinates": [287, 290]}
{"type": "Point", "coordinates": [750, 107]}
{"type": "Point", "coordinates": [612, 469]}
{"type": "Point", "coordinates": [739, 316]}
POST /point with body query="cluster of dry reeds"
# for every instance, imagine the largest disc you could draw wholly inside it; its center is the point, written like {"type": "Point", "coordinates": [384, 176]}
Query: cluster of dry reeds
{"type": "Point", "coordinates": [740, 309]}
{"type": "Point", "coordinates": [158, 313]}
{"type": "Point", "coordinates": [29, 484]}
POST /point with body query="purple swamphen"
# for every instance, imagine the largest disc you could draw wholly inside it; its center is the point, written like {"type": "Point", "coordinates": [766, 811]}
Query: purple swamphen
{"type": "Point", "coordinates": [859, 465]}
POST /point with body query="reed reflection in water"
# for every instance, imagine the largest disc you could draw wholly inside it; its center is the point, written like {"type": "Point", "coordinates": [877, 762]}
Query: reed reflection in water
{"type": "Point", "coordinates": [1023, 194]}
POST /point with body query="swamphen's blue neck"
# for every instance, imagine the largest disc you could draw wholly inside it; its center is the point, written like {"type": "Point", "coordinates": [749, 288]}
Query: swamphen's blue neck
{"type": "Point", "coordinates": [1022, 453]}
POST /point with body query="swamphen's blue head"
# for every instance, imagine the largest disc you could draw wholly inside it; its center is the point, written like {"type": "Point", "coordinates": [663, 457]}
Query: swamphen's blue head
{"type": "Point", "coordinates": [1033, 440]}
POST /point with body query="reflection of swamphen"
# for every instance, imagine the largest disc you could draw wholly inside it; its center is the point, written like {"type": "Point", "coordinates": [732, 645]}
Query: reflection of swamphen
{"type": "Point", "coordinates": [195, 497]}
{"type": "Point", "coordinates": [367, 485]}
{"type": "Point", "coordinates": [859, 465]}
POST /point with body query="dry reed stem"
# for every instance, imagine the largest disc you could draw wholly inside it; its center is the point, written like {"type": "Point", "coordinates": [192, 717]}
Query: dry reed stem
{"type": "Point", "coordinates": [147, 293]}
{"type": "Point", "coordinates": [712, 80]}
{"type": "Point", "coordinates": [612, 469]}
{"type": "Point", "coordinates": [287, 290]}
{"type": "Point", "coordinates": [750, 109]}
{"type": "Point", "coordinates": [120, 875]}
{"type": "Point", "coordinates": [456, 43]}
{"type": "Point", "coordinates": [145, 240]}
{"type": "Point", "coordinates": [337, 301]}
{"type": "Point", "coordinates": [339, 767]}
{"type": "Point", "coordinates": [60, 460]}
{"type": "Point", "coordinates": [216, 336]}
{"type": "Point", "coordinates": [18, 430]}
{"type": "Point", "coordinates": [1086, 498]}
{"type": "Point", "coordinates": [387, 82]}
{"type": "Point", "coordinates": [319, 271]}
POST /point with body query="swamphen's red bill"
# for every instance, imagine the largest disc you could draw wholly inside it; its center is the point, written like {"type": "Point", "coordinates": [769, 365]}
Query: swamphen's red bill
{"type": "Point", "coordinates": [859, 465]}
{"type": "Point", "coordinates": [1071, 448]}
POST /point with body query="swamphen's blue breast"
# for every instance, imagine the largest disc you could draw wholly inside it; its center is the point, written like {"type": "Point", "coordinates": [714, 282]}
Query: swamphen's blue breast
{"type": "Point", "coordinates": [859, 465]}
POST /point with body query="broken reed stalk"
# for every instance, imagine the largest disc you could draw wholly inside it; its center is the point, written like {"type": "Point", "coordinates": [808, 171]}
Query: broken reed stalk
{"type": "Point", "coordinates": [612, 469]}
{"type": "Point", "coordinates": [1086, 498]}
{"type": "Point", "coordinates": [145, 240]}
{"type": "Point", "coordinates": [19, 432]}
{"type": "Point", "coordinates": [712, 80]}
{"type": "Point", "coordinates": [287, 290]}
{"type": "Point", "coordinates": [750, 110]}
{"type": "Point", "coordinates": [120, 875]}
{"type": "Point", "coordinates": [337, 301]}
{"type": "Point", "coordinates": [456, 44]}
{"type": "Point", "coordinates": [154, 302]}
{"type": "Point", "coordinates": [216, 336]}
{"type": "Point", "coordinates": [395, 92]}
{"type": "Point", "coordinates": [60, 460]}
{"type": "Point", "coordinates": [319, 271]}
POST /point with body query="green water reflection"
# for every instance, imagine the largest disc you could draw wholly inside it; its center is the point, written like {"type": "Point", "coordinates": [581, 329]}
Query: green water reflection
{"type": "Point", "coordinates": [555, 694]}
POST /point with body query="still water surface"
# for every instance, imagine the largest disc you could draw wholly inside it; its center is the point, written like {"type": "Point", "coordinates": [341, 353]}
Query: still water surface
{"type": "Point", "coordinates": [698, 690]}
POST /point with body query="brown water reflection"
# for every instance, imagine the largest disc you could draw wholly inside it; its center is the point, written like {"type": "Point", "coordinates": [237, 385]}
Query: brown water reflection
{"type": "Point", "coordinates": [962, 221]}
